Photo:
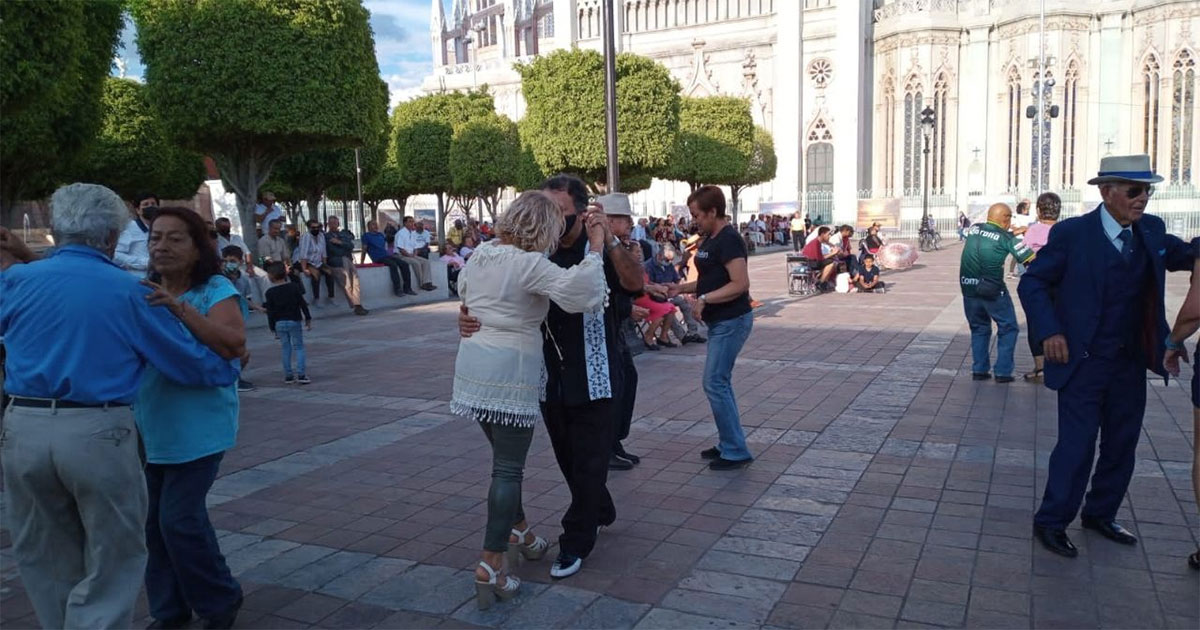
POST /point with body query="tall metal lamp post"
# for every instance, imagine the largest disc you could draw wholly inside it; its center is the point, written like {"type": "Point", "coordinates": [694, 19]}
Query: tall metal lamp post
{"type": "Point", "coordinates": [610, 97]}
{"type": "Point", "coordinates": [928, 122]}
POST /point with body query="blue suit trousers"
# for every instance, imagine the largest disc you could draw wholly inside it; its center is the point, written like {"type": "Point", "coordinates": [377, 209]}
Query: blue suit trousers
{"type": "Point", "coordinates": [1105, 397]}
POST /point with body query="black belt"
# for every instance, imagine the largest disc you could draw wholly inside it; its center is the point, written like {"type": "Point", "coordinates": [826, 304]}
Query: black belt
{"type": "Point", "coordinates": [51, 403]}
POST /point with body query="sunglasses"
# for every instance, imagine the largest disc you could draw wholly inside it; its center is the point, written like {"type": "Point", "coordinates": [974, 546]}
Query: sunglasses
{"type": "Point", "coordinates": [1133, 192]}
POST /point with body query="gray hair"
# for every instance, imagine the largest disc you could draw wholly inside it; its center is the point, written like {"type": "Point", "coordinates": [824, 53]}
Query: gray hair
{"type": "Point", "coordinates": [87, 214]}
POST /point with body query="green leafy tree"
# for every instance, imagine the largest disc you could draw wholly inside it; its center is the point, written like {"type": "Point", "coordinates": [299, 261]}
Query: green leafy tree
{"type": "Point", "coordinates": [759, 170]}
{"type": "Point", "coordinates": [422, 136]}
{"type": "Point", "coordinates": [527, 174]}
{"type": "Point", "coordinates": [387, 185]}
{"type": "Point", "coordinates": [55, 55]}
{"type": "Point", "coordinates": [251, 81]}
{"type": "Point", "coordinates": [131, 152]}
{"type": "Point", "coordinates": [564, 122]}
{"type": "Point", "coordinates": [287, 197]}
{"type": "Point", "coordinates": [716, 137]}
{"type": "Point", "coordinates": [482, 160]}
{"type": "Point", "coordinates": [313, 173]}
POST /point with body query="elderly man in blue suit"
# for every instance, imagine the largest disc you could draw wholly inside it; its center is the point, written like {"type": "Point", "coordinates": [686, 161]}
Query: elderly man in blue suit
{"type": "Point", "coordinates": [1101, 332]}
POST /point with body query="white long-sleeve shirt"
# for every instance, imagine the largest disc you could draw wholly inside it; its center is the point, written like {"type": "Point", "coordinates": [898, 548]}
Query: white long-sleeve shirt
{"type": "Point", "coordinates": [406, 239]}
{"type": "Point", "coordinates": [131, 253]}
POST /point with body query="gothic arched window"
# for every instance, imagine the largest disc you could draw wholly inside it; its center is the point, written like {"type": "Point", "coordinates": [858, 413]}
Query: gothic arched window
{"type": "Point", "coordinates": [1014, 129]}
{"type": "Point", "coordinates": [937, 167]}
{"type": "Point", "coordinates": [1183, 112]}
{"type": "Point", "coordinates": [1151, 75]}
{"type": "Point", "coordinates": [889, 134]}
{"type": "Point", "coordinates": [913, 104]}
{"type": "Point", "coordinates": [1070, 116]}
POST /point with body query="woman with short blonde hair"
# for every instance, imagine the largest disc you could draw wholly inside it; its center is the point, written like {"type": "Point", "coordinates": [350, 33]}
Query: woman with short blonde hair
{"type": "Point", "coordinates": [499, 372]}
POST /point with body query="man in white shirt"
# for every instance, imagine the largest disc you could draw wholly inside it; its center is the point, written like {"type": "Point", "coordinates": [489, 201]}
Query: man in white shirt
{"type": "Point", "coordinates": [131, 253]}
{"type": "Point", "coordinates": [266, 211]}
{"type": "Point", "coordinates": [639, 230]}
{"type": "Point", "coordinates": [407, 245]}
{"type": "Point", "coordinates": [423, 238]}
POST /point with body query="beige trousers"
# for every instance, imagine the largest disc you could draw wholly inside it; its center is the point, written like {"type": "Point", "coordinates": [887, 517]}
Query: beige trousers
{"type": "Point", "coordinates": [76, 505]}
{"type": "Point", "coordinates": [347, 277]}
{"type": "Point", "coordinates": [420, 270]}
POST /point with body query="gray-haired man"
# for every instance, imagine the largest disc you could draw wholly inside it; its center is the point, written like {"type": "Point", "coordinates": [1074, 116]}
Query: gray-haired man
{"type": "Point", "coordinates": [78, 332]}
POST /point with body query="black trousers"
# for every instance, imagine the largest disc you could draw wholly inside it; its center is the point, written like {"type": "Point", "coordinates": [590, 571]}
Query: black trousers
{"type": "Point", "coordinates": [582, 437]}
{"type": "Point", "coordinates": [398, 269]}
{"type": "Point", "coordinates": [627, 397]}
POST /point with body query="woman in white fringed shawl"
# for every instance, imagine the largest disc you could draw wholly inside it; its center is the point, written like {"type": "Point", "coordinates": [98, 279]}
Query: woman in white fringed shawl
{"type": "Point", "coordinates": [499, 373]}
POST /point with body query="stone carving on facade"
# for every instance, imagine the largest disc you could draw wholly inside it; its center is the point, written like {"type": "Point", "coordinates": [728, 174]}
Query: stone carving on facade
{"type": "Point", "coordinates": [1031, 25]}
{"type": "Point", "coordinates": [819, 129]}
{"type": "Point", "coordinates": [905, 40]}
{"type": "Point", "coordinates": [701, 82]}
{"type": "Point", "coordinates": [751, 88]}
{"type": "Point", "coordinates": [820, 72]}
{"type": "Point", "coordinates": [1182, 11]}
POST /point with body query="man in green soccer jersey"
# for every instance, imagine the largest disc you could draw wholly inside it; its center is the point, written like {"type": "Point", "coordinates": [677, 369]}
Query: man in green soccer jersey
{"type": "Point", "coordinates": [985, 296]}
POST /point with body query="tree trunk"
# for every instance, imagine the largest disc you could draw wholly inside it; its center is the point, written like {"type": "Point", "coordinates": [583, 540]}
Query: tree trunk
{"type": "Point", "coordinates": [312, 199]}
{"type": "Point", "coordinates": [733, 201]}
{"type": "Point", "coordinates": [244, 171]}
{"type": "Point", "coordinates": [441, 221]}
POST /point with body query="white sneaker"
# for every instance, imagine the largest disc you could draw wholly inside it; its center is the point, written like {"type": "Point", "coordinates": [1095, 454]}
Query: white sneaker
{"type": "Point", "coordinates": [565, 565]}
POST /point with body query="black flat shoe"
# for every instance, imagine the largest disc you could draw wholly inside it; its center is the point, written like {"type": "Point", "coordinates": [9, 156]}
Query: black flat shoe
{"type": "Point", "coordinates": [651, 347]}
{"type": "Point", "coordinates": [710, 453]}
{"type": "Point", "coordinates": [225, 620]}
{"type": "Point", "coordinates": [616, 463]}
{"type": "Point", "coordinates": [721, 463]}
{"type": "Point", "coordinates": [1194, 561]}
{"type": "Point", "coordinates": [1004, 379]}
{"type": "Point", "coordinates": [667, 343]}
{"type": "Point", "coordinates": [1055, 540]}
{"type": "Point", "coordinates": [1110, 530]}
{"type": "Point", "coordinates": [565, 565]}
{"type": "Point", "coordinates": [1035, 375]}
{"type": "Point", "coordinates": [175, 623]}
{"type": "Point", "coordinates": [620, 451]}
{"type": "Point", "coordinates": [980, 376]}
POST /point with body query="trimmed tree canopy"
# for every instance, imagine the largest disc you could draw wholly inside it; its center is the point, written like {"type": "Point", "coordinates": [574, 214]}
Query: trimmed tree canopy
{"type": "Point", "coordinates": [763, 161]}
{"type": "Point", "coordinates": [564, 122]}
{"type": "Point", "coordinates": [131, 152]}
{"type": "Point", "coordinates": [249, 81]}
{"type": "Point", "coordinates": [716, 137]}
{"type": "Point", "coordinates": [484, 158]}
{"type": "Point", "coordinates": [49, 117]}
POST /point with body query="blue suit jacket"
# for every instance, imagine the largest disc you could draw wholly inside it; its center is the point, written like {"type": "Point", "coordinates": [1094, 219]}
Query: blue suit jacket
{"type": "Point", "coordinates": [1072, 263]}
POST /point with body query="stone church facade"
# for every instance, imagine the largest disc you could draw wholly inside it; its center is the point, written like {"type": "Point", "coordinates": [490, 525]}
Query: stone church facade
{"type": "Point", "coordinates": [841, 84]}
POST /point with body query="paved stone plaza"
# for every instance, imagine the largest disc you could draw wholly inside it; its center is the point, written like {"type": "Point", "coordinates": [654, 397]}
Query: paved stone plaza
{"type": "Point", "coordinates": [889, 489]}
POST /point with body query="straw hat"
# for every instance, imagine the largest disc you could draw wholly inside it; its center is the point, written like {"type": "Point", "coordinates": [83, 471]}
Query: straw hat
{"type": "Point", "coordinates": [1125, 168]}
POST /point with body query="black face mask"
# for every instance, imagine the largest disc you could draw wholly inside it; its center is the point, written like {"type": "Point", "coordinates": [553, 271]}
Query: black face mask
{"type": "Point", "coordinates": [570, 222]}
{"type": "Point", "coordinates": [314, 231]}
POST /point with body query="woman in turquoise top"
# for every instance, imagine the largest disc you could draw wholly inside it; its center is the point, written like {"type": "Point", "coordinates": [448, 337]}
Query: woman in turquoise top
{"type": "Point", "coordinates": [186, 430]}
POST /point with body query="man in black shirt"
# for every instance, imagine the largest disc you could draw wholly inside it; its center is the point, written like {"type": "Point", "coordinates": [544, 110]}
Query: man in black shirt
{"type": "Point", "coordinates": [584, 380]}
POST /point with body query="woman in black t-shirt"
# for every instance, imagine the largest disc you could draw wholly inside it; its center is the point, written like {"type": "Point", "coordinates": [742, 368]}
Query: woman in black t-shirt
{"type": "Point", "coordinates": [723, 301]}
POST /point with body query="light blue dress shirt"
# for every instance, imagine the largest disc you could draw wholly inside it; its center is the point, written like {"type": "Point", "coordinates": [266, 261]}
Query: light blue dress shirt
{"type": "Point", "coordinates": [77, 327]}
{"type": "Point", "coordinates": [182, 423]}
{"type": "Point", "coordinates": [1112, 229]}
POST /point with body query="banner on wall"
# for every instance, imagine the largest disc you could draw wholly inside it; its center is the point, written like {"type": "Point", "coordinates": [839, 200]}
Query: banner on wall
{"type": "Point", "coordinates": [885, 212]}
{"type": "Point", "coordinates": [781, 208]}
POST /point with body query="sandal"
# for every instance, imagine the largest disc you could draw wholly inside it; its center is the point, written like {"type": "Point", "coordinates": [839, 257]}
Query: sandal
{"type": "Point", "coordinates": [486, 593]}
{"type": "Point", "coordinates": [650, 345]}
{"type": "Point", "coordinates": [530, 551]}
{"type": "Point", "coordinates": [1194, 560]}
{"type": "Point", "coordinates": [666, 343]}
{"type": "Point", "coordinates": [1033, 376]}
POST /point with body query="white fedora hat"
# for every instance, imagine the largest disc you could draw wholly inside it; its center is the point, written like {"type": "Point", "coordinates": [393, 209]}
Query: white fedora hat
{"type": "Point", "coordinates": [615, 204]}
{"type": "Point", "coordinates": [1125, 168]}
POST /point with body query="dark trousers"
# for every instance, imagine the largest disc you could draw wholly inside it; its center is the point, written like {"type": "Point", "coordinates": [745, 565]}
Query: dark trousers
{"type": "Point", "coordinates": [315, 283]}
{"type": "Point", "coordinates": [797, 241]}
{"type": "Point", "coordinates": [185, 570]}
{"type": "Point", "coordinates": [627, 397]}
{"type": "Point", "coordinates": [1105, 396]}
{"type": "Point", "coordinates": [398, 270]}
{"type": "Point", "coordinates": [510, 444]}
{"type": "Point", "coordinates": [582, 438]}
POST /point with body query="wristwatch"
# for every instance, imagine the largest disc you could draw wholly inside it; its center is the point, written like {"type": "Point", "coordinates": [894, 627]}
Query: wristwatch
{"type": "Point", "coordinates": [616, 242]}
{"type": "Point", "coordinates": [1175, 345]}
{"type": "Point", "coordinates": [703, 297]}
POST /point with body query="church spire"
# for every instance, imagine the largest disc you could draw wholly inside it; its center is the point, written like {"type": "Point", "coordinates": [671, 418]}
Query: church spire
{"type": "Point", "coordinates": [437, 27]}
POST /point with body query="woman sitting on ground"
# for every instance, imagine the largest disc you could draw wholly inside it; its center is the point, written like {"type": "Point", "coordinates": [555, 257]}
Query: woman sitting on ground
{"type": "Point", "coordinates": [500, 370]}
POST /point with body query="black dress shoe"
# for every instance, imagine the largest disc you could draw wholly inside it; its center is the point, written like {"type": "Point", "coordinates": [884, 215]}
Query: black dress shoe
{"type": "Point", "coordinates": [1109, 529]}
{"type": "Point", "coordinates": [710, 453]}
{"type": "Point", "coordinates": [1055, 540]}
{"type": "Point", "coordinates": [721, 463]}
{"type": "Point", "coordinates": [980, 376]}
{"type": "Point", "coordinates": [620, 451]}
{"type": "Point", "coordinates": [224, 620]}
{"type": "Point", "coordinates": [174, 623]}
{"type": "Point", "coordinates": [1004, 379]}
{"type": "Point", "coordinates": [616, 463]}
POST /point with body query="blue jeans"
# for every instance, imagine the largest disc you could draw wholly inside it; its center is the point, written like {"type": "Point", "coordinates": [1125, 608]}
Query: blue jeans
{"type": "Point", "coordinates": [185, 570]}
{"type": "Point", "coordinates": [725, 341]}
{"type": "Point", "coordinates": [291, 336]}
{"type": "Point", "coordinates": [980, 315]}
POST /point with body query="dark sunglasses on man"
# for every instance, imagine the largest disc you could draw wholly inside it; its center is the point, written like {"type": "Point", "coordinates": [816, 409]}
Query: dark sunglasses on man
{"type": "Point", "coordinates": [1135, 191]}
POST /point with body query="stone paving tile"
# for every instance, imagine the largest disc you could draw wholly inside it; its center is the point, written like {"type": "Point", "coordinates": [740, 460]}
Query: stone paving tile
{"type": "Point", "coordinates": [903, 501]}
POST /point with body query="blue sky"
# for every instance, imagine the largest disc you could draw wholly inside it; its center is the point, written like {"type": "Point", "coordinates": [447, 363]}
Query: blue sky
{"type": "Point", "coordinates": [402, 45]}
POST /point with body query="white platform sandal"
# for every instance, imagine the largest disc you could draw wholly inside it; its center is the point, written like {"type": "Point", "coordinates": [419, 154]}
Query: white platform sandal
{"type": "Point", "coordinates": [535, 550]}
{"type": "Point", "coordinates": [486, 593]}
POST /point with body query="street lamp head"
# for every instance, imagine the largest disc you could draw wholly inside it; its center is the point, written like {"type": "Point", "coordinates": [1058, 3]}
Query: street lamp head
{"type": "Point", "coordinates": [928, 120]}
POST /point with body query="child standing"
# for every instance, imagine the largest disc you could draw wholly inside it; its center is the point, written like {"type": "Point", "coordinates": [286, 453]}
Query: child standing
{"type": "Point", "coordinates": [285, 304]}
